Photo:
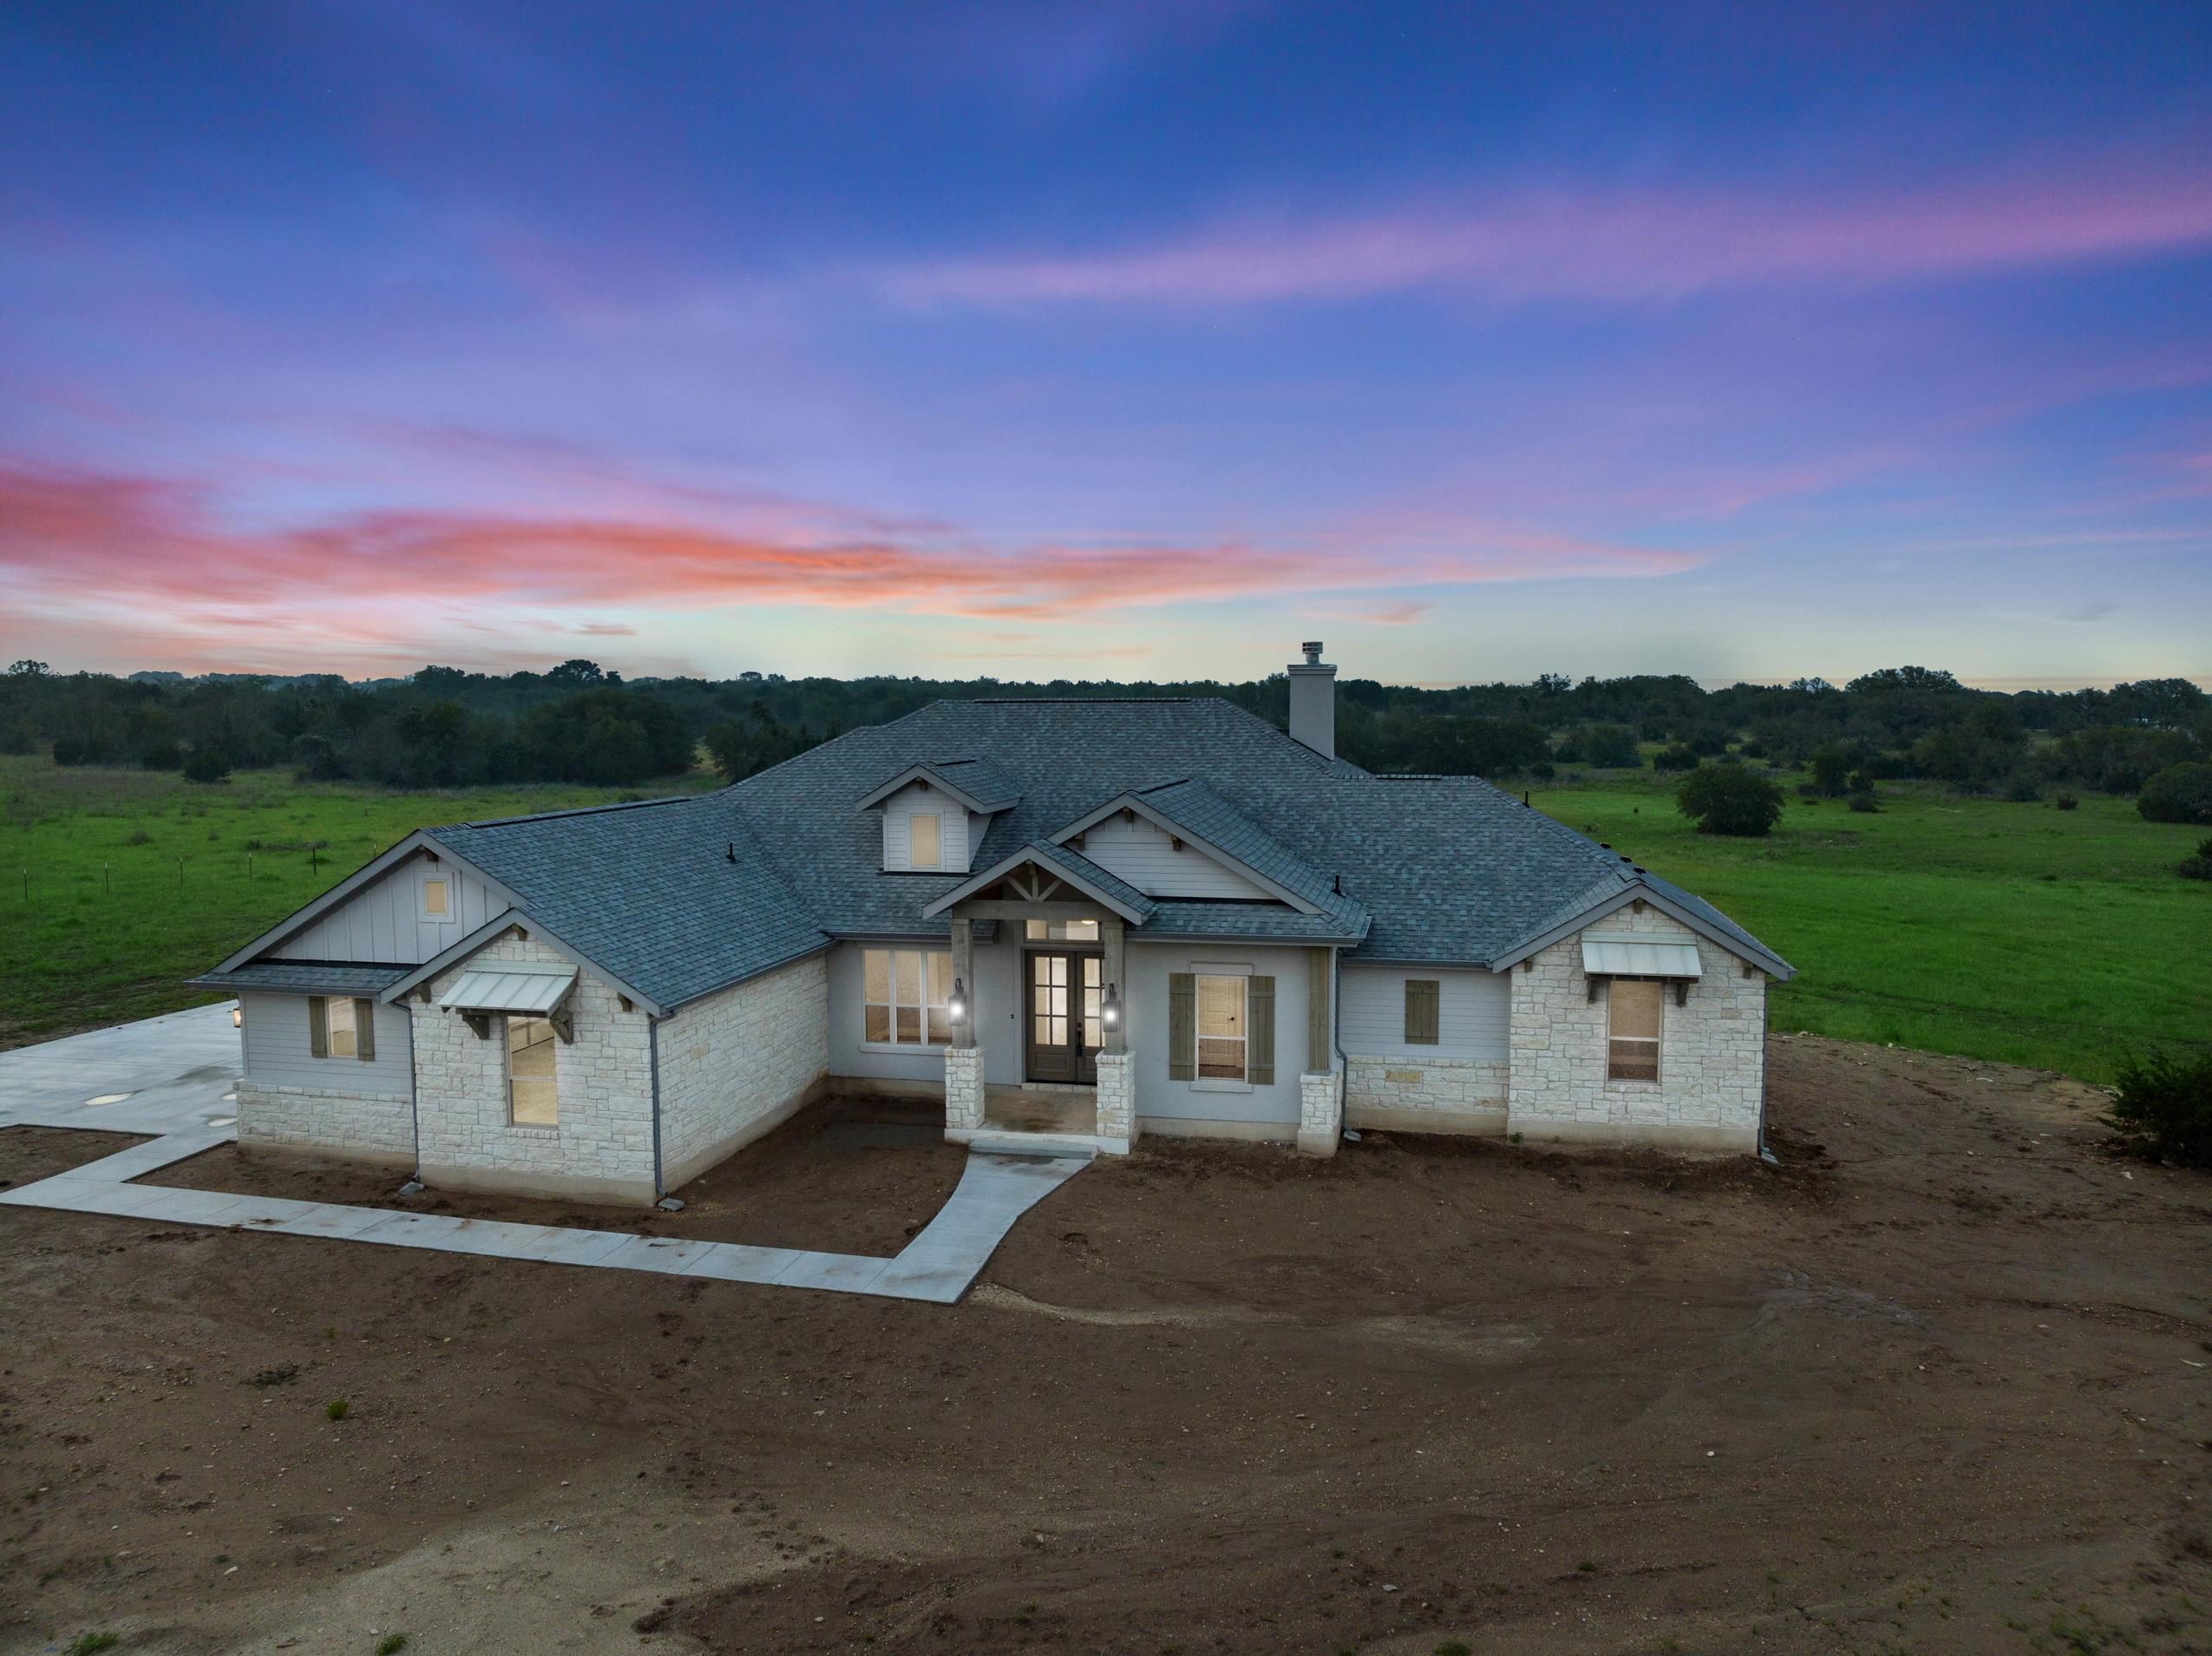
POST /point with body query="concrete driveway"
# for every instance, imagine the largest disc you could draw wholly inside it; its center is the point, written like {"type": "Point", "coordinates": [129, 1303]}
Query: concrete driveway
{"type": "Point", "coordinates": [163, 1075]}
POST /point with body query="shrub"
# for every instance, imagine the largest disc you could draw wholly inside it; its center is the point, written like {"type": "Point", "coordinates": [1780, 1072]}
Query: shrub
{"type": "Point", "coordinates": [1727, 799]}
{"type": "Point", "coordinates": [90, 1644]}
{"type": "Point", "coordinates": [207, 765]}
{"type": "Point", "coordinates": [2065, 801]}
{"type": "Point", "coordinates": [2178, 794]}
{"type": "Point", "coordinates": [1676, 757]}
{"type": "Point", "coordinates": [1607, 744]}
{"type": "Point", "coordinates": [162, 755]}
{"type": "Point", "coordinates": [391, 1644]}
{"type": "Point", "coordinates": [2198, 867]}
{"type": "Point", "coordinates": [2163, 1108]}
{"type": "Point", "coordinates": [2022, 790]}
{"type": "Point", "coordinates": [1865, 803]}
{"type": "Point", "coordinates": [1831, 765]}
{"type": "Point", "coordinates": [337, 1408]}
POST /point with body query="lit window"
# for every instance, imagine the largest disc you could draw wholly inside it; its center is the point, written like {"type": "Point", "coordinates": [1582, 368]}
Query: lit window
{"type": "Point", "coordinates": [343, 1030]}
{"type": "Point", "coordinates": [437, 897]}
{"type": "Point", "coordinates": [1060, 931]}
{"type": "Point", "coordinates": [1220, 1029]}
{"type": "Point", "coordinates": [1632, 1029]}
{"type": "Point", "coordinates": [925, 831]}
{"type": "Point", "coordinates": [904, 994]}
{"type": "Point", "coordinates": [531, 1099]}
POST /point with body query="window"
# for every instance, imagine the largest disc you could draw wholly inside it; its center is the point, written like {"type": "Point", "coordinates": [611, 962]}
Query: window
{"type": "Point", "coordinates": [1220, 1029]}
{"type": "Point", "coordinates": [437, 897]}
{"type": "Point", "coordinates": [341, 1028]}
{"type": "Point", "coordinates": [1632, 1029]}
{"type": "Point", "coordinates": [531, 1100]}
{"type": "Point", "coordinates": [925, 834]}
{"type": "Point", "coordinates": [1060, 931]}
{"type": "Point", "coordinates": [1422, 995]}
{"type": "Point", "coordinates": [904, 994]}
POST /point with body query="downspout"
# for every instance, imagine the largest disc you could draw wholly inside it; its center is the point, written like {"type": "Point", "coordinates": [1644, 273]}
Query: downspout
{"type": "Point", "coordinates": [1766, 1052]}
{"type": "Point", "coordinates": [653, 1053]}
{"type": "Point", "coordinates": [1336, 1045]}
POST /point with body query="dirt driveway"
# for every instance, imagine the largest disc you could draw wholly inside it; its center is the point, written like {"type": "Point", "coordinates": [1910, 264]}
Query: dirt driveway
{"type": "Point", "coordinates": [1938, 1384]}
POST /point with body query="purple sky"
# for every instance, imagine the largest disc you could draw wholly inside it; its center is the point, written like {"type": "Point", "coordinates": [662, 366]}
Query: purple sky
{"type": "Point", "coordinates": [1108, 340]}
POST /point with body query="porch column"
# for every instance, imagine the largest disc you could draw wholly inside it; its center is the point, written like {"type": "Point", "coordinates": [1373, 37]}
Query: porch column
{"type": "Point", "coordinates": [963, 1058]}
{"type": "Point", "coordinates": [1320, 1104]}
{"type": "Point", "coordinates": [1116, 1100]}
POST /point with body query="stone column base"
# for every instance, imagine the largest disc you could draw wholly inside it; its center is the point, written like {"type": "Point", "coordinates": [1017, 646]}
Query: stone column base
{"type": "Point", "coordinates": [963, 1089]}
{"type": "Point", "coordinates": [1320, 1115]}
{"type": "Point", "coordinates": [1118, 1100]}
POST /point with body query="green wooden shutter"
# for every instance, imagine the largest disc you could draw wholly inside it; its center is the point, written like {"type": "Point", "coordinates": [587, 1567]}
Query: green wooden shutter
{"type": "Point", "coordinates": [364, 1031]}
{"type": "Point", "coordinates": [1259, 1053]}
{"type": "Point", "coordinates": [318, 1026]}
{"type": "Point", "coordinates": [1421, 1011]}
{"type": "Point", "coordinates": [1183, 1026]}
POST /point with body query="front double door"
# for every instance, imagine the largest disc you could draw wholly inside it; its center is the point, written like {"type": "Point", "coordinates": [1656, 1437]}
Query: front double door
{"type": "Point", "coordinates": [1064, 993]}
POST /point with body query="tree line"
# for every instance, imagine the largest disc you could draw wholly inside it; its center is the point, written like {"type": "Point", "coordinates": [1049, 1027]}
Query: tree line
{"type": "Point", "coordinates": [577, 723]}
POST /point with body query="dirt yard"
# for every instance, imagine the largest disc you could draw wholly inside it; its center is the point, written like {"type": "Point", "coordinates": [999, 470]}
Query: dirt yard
{"type": "Point", "coordinates": [1938, 1384]}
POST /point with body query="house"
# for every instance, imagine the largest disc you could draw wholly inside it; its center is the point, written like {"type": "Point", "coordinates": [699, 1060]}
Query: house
{"type": "Point", "coordinates": [1082, 920]}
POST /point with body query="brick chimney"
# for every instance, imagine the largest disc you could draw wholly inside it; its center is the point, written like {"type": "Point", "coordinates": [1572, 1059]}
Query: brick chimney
{"type": "Point", "coordinates": [1313, 702]}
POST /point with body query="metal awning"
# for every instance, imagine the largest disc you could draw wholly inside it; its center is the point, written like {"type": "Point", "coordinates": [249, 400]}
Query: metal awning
{"type": "Point", "coordinates": [510, 986]}
{"type": "Point", "coordinates": [1636, 957]}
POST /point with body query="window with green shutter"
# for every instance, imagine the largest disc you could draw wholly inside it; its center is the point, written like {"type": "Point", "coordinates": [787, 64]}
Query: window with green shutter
{"type": "Point", "coordinates": [364, 1031]}
{"type": "Point", "coordinates": [1422, 995]}
{"type": "Point", "coordinates": [1260, 1002]}
{"type": "Point", "coordinates": [318, 1027]}
{"type": "Point", "coordinates": [1183, 1026]}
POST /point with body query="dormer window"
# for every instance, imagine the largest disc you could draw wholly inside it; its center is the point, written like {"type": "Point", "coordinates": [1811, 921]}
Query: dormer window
{"type": "Point", "coordinates": [925, 832]}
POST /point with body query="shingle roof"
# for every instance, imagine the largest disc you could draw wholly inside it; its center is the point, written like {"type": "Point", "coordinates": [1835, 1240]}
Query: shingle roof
{"type": "Point", "coordinates": [1444, 869]}
{"type": "Point", "coordinates": [288, 977]}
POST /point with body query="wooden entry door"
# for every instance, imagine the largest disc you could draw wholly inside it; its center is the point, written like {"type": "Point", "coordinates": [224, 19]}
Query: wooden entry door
{"type": "Point", "coordinates": [1064, 993]}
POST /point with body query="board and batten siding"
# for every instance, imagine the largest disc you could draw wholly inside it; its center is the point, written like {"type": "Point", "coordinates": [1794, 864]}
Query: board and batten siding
{"type": "Point", "coordinates": [277, 1050]}
{"type": "Point", "coordinates": [384, 920]}
{"type": "Point", "coordinates": [961, 828]}
{"type": "Point", "coordinates": [1474, 1013]}
{"type": "Point", "coordinates": [1145, 855]}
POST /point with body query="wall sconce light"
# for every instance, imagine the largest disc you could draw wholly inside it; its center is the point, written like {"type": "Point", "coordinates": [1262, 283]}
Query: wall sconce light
{"type": "Point", "coordinates": [1109, 1010]}
{"type": "Point", "coordinates": [956, 1008]}
{"type": "Point", "coordinates": [238, 1017]}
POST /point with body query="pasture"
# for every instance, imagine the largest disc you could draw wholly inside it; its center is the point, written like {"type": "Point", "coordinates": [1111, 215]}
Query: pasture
{"type": "Point", "coordinates": [117, 884]}
{"type": "Point", "coordinates": [1990, 929]}
{"type": "Point", "coordinates": [1984, 927]}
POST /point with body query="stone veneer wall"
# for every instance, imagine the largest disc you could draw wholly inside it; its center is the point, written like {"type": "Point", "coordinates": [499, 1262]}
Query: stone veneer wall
{"type": "Point", "coordinates": [1320, 1115]}
{"type": "Point", "coordinates": [360, 1127]}
{"type": "Point", "coordinates": [1712, 1050]}
{"type": "Point", "coordinates": [963, 1088]}
{"type": "Point", "coordinates": [738, 1063]}
{"type": "Point", "coordinates": [1425, 1095]}
{"type": "Point", "coordinates": [603, 1147]}
{"type": "Point", "coordinates": [1117, 1098]}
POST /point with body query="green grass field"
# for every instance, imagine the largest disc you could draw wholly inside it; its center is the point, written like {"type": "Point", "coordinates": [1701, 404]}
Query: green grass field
{"type": "Point", "coordinates": [1993, 930]}
{"type": "Point", "coordinates": [1981, 927]}
{"type": "Point", "coordinates": [116, 885]}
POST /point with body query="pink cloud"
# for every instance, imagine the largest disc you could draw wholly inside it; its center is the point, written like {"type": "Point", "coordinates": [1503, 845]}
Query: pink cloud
{"type": "Point", "coordinates": [1649, 245]}
{"type": "Point", "coordinates": [82, 544]}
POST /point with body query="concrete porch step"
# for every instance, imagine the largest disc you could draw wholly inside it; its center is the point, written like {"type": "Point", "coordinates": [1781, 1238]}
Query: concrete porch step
{"type": "Point", "coordinates": [1081, 1146]}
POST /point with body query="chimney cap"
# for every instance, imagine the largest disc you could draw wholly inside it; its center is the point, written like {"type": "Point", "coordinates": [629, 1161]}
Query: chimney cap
{"type": "Point", "coordinates": [1312, 652]}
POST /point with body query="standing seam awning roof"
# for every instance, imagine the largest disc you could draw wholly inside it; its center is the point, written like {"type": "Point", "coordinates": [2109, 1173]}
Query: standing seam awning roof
{"type": "Point", "coordinates": [506, 987]}
{"type": "Point", "coordinates": [1620, 956]}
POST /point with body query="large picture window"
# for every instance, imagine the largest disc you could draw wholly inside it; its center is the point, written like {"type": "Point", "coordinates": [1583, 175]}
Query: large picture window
{"type": "Point", "coordinates": [1632, 1029]}
{"type": "Point", "coordinates": [532, 1097]}
{"type": "Point", "coordinates": [904, 994]}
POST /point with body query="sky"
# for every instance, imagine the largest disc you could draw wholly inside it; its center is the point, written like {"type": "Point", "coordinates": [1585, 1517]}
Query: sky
{"type": "Point", "coordinates": [1140, 339]}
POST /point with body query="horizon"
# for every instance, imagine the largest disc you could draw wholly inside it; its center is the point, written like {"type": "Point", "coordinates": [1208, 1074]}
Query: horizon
{"type": "Point", "coordinates": [1119, 340]}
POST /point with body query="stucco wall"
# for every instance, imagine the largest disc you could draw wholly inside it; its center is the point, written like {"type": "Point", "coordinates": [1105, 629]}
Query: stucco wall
{"type": "Point", "coordinates": [289, 1099]}
{"type": "Point", "coordinates": [603, 1147]}
{"type": "Point", "coordinates": [735, 1064]}
{"type": "Point", "coordinates": [1712, 1050]}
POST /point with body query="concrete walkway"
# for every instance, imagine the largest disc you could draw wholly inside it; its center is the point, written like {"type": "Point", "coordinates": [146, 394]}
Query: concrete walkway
{"type": "Point", "coordinates": [172, 1077]}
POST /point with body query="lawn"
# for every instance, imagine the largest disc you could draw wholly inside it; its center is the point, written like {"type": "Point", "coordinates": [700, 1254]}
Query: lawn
{"type": "Point", "coordinates": [1977, 926]}
{"type": "Point", "coordinates": [115, 886]}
